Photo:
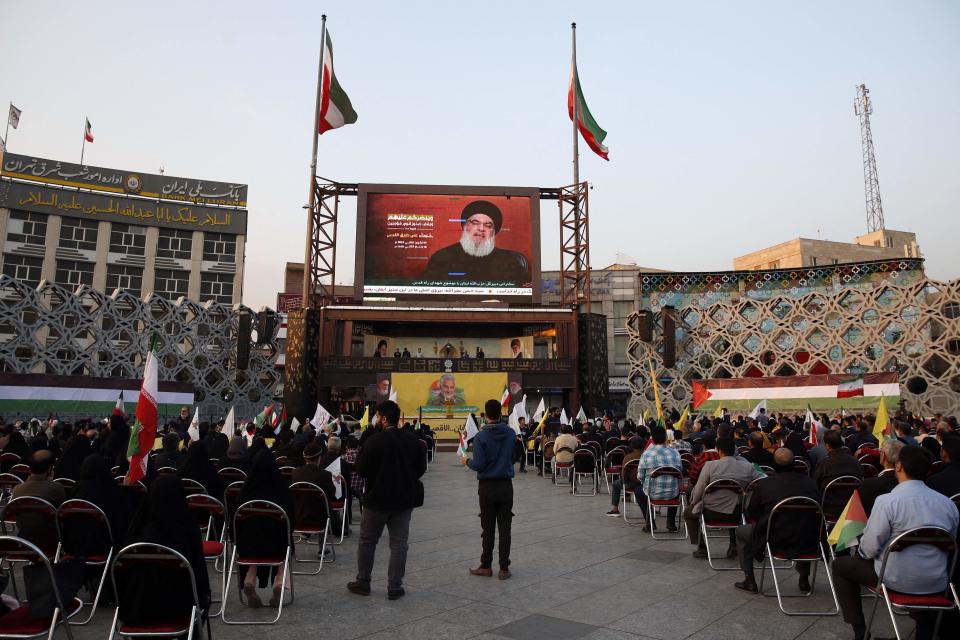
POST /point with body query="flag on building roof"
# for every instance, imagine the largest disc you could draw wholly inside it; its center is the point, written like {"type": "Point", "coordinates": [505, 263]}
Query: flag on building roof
{"type": "Point", "coordinates": [194, 429]}
{"type": "Point", "coordinates": [850, 388]}
{"type": "Point", "coordinates": [881, 426]}
{"type": "Point", "coordinates": [13, 116]}
{"type": "Point", "coordinates": [88, 131]}
{"type": "Point", "coordinates": [335, 107]}
{"type": "Point", "coordinates": [852, 522]}
{"type": "Point", "coordinates": [144, 431]}
{"type": "Point", "coordinates": [118, 408]}
{"type": "Point", "coordinates": [588, 127]}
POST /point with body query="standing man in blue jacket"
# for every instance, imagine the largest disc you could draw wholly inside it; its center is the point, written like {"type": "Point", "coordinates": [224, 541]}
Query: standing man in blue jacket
{"type": "Point", "coordinates": [493, 462]}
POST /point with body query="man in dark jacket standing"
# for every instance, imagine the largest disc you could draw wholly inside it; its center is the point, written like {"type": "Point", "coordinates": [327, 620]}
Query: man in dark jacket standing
{"type": "Point", "coordinates": [392, 461]}
{"type": "Point", "coordinates": [493, 462]}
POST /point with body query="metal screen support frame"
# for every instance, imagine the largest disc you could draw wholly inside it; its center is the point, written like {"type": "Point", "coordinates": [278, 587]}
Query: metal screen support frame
{"type": "Point", "coordinates": [574, 246]}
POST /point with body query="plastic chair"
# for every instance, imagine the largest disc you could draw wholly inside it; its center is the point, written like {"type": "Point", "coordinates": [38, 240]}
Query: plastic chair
{"type": "Point", "coordinates": [898, 601]}
{"type": "Point", "coordinates": [810, 507]}
{"type": "Point", "coordinates": [247, 512]}
{"type": "Point", "coordinates": [679, 501]}
{"type": "Point", "coordinates": [165, 566]}
{"type": "Point", "coordinates": [19, 623]}
{"type": "Point", "coordinates": [724, 524]}
{"type": "Point", "coordinates": [304, 493]}
{"type": "Point", "coordinates": [207, 509]}
{"type": "Point", "coordinates": [69, 513]}
{"type": "Point", "coordinates": [584, 465]}
{"type": "Point", "coordinates": [839, 490]}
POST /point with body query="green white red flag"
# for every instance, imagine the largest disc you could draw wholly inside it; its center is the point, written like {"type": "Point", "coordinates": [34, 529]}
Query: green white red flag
{"type": "Point", "coordinates": [852, 522]}
{"type": "Point", "coordinates": [589, 129]}
{"type": "Point", "coordinates": [144, 430]}
{"type": "Point", "coordinates": [261, 417]}
{"type": "Point", "coordinates": [335, 107]}
{"type": "Point", "coordinates": [88, 131]}
{"type": "Point", "coordinates": [850, 388]}
{"type": "Point", "coordinates": [505, 399]}
{"type": "Point", "coordinates": [118, 408]}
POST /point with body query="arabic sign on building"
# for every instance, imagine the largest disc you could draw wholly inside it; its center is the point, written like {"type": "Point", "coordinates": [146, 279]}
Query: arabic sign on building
{"type": "Point", "coordinates": [125, 182]}
{"type": "Point", "coordinates": [94, 206]}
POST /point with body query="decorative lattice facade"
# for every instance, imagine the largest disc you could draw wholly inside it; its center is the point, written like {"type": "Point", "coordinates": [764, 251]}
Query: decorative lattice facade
{"type": "Point", "coordinates": [847, 318]}
{"type": "Point", "coordinates": [52, 330]}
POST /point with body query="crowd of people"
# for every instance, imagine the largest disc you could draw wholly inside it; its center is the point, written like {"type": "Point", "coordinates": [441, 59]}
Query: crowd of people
{"type": "Point", "coordinates": [910, 479]}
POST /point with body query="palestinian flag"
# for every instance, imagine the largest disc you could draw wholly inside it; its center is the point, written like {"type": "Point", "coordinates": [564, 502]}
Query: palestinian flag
{"type": "Point", "coordinates": [851, 524]}
{"type": "Point", "coordinates": [589, 129]}
{"type": "Point", "coordinates": [793, 393]}
{"type": "Point", "coordinates": [850, 388]}
{"type": "Point", "coordinates": [262, 416]}
{"type": "Point", "coordinates": [505, 400]}
{"type": "Point", "coordinates": [335, 107]}
{"type": "Point", "coordinates": [279, 421]}
{"type": "Point", "coordinates": [144, 431]}
{"type": "Point", "coordinates": [118, 409]}
{"type": "Point", "coordinates": [88, 131]}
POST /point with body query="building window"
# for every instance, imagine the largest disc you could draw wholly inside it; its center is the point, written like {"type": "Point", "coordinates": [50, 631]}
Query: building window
{"type": "Point", "coordinates": [620, 349]}
{"type": "Point", "coordinates": [124, 277]}
{"type": "Point", "coordinates": [216, 286]}
{"type": "Point", "coordinates": [171, 283]}
{"type": "Point", "coordinates": [889, 240]}
{"type": "Point", "coordinates": [174, 243]}
{"type": "Point", "coordinates": [128, 239]}
{"type": "Point", "coordinates": [836, 261]}
{"type": "Point", "coordinates": [28, 228]}
{"type": "Point", "coordinates": [813, 261]}
{"type": "Point", "coordinates": [24, 268]}
{"type": "Point", "coordinates": [78, 234]}
{"type": "Point", "coordinates": [219, 247]}
{"type": "Point", "coordinates": [72, 273]}
{"type": "Point", "coordinates": [774, 265]}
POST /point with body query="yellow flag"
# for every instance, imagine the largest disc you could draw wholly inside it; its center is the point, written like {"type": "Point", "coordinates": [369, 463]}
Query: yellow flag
{"type": "Point", "coordinates": [646, 414]}
{"type": "Point", "coordinates": [683, 419]}
{"type": "Point", "coordinates": [365, 418]}
{"type": "Point", "coordinates": [656, 391]}
{"type": "Point", "coordinates": [881, 428]}
{"type": "Point", "coordinates": [719, 412]}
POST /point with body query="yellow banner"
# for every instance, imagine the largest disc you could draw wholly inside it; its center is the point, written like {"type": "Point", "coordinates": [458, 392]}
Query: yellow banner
{"type": "Point", "coordinates": [446, 399]}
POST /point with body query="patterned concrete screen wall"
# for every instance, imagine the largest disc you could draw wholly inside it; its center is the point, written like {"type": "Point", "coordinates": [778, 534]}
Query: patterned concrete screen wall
{"type": "Point", "coordinates": [847, 318]}
{"type": "Point", "coordinates": [52, 330]}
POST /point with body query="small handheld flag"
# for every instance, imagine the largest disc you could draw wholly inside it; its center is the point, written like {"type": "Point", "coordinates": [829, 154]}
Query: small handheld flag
{"type": "Point", "coordinates": [118, 407]}
{"type": "Point", "coordinates": [470, 427]}
{"type": "Point", "coordinates": [852, 522]}
{"type": "Point", "coordinates": [881, 426]}
{"type": "Point", "coordinates": [756, 410]}
{"type": "Point", "coordinates": [228, 424]}
{"type": "Point", "coordinates": [194, 429]}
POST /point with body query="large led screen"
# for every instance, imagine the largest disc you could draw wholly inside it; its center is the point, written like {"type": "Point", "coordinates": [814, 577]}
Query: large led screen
{"type": "Point", "coordinates": [423, 242]}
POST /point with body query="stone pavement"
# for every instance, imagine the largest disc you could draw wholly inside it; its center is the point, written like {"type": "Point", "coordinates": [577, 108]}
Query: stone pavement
{"type": "Point", "coordinates": [576, 574]}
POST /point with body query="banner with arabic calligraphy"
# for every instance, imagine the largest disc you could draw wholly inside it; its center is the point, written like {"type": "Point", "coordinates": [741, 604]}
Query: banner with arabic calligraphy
{"type": "Point", "coordinates": [465, 242]}
{"type": "Point", "coordinates": [147, 185]}
{"type": "Point", "coordinates": [118, 208]}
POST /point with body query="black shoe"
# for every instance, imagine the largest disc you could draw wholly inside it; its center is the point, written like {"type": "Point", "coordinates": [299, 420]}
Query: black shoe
{"type": "Point", "coordinates": [646, 528]}
{"type": "Point", "coordinates": [523, 470]}
{"type": "Point", "coordinates": [359, 588]}
{"type": "Point", "coordinates": [732, 552]}
{"type": "Point", "coordinates": [700, 553]}
{"type": "Point", "coordinates": [395, 594]}
{"type": "Point", "coordinates": [749, 586]}
{"type": "Point", "coordinates": [804, 584]}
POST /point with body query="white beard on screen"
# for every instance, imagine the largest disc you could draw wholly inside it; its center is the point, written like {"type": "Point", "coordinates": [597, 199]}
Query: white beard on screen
{"type": "Point", "coordinates": [480, 249]}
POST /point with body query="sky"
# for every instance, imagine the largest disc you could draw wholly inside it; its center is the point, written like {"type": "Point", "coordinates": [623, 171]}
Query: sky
{"type": "Point", "coordinates": [730, 125]}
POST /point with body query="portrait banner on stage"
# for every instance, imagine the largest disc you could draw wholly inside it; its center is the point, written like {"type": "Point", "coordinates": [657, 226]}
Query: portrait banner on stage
{"type": "Point", "coordinates": [446, 399]}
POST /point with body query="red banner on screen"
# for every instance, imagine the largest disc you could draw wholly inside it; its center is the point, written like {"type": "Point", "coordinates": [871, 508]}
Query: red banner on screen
{"type": "Point", "coordinates": [429, 244]}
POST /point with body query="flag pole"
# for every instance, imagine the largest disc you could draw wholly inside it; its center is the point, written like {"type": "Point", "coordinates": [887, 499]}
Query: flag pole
{"type": "Point", "coordinates": [83, 146]}
{"type": "Point", "coordinates": [312, 197]}
{"type": "Point", "coordinates": [6, 134]}
{"type": "Point", "coordinates": [576, 108]}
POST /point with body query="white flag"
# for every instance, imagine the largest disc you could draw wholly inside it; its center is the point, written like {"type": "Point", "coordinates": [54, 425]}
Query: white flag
{"type": "Point", "coordinates": [470, 427]}
{"type": "Point", "coordinates": [514, 419]}
{"type": "Point", "coordinates": [13, 118]}
{"type": "Point", "coordinates": [581, 416]}
{"type": "Point", "coordinates": [393, 395]}
{"type": "Point", "coordinates": [295, 425]}
{"type": "Point", "coordinates": [522, 408]}
{"type": "Point", "coordinates": [320, 418]}
{"type": "Point", "coordinates": [756, 410]}
{"type": "Point", "coordinates": [228, 425]}
{"type": "Point", "coordinates": [334, 469]}
{"type": "Point", "coordinates": [538, 414]}
{"type": "Point", "coordinates": [563, 417]}
{"type": "Point", "coordinates": [194, 429]}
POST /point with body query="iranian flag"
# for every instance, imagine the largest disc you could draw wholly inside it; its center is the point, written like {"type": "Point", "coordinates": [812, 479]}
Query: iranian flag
{"type": "Point", "coordinates": [850, 388]}
{"type": "Point", "coordinates": [505, 399]}
{"type": "Point", "coordinates": [589, 129]}
{"type": "Point", "coordinates": [335, 107]}
{"type": "Point", "coordinates": [852, 522]}
{"type": "Point", "coordinates": [462, 447]}
{"type": "Point", "coordinates": [144, 431]}
{"type": "Point", "coordinates": [88, 131]}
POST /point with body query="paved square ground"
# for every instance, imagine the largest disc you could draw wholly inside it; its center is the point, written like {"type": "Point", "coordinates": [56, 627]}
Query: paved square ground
{"type": "Point", "coordinates": [576, 574]}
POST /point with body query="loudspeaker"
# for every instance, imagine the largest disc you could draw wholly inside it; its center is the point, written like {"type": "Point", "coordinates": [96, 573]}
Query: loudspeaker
{"type": "Point", "coordinates": [266, 322]}
{"type": "Point", "coordinates": [669, 320]}
{"type": "Point", "coordinates": [644, 326]}
{"type": "Point", "coordinates": [243, 339]}
{"type": "Point", "coordinates": [301, 362]}
{"type": "Point", "coordinates": [593, 374]}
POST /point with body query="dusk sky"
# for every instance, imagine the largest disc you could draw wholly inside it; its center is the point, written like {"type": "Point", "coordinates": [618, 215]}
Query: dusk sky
{"type": "Point", "coordinates": [730, 125]}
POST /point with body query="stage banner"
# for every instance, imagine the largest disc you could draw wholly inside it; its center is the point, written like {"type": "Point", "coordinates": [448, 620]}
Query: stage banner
{"type": "Point", "coordinates": [446, 399]}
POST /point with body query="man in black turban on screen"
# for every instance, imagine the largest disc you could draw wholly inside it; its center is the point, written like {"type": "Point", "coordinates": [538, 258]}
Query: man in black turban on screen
{"type": "Point", "coordinates": [476, 258]}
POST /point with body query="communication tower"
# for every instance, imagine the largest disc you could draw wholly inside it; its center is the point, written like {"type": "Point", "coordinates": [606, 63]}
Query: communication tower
{"type": "Point", "coordinates": [871, 183]}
